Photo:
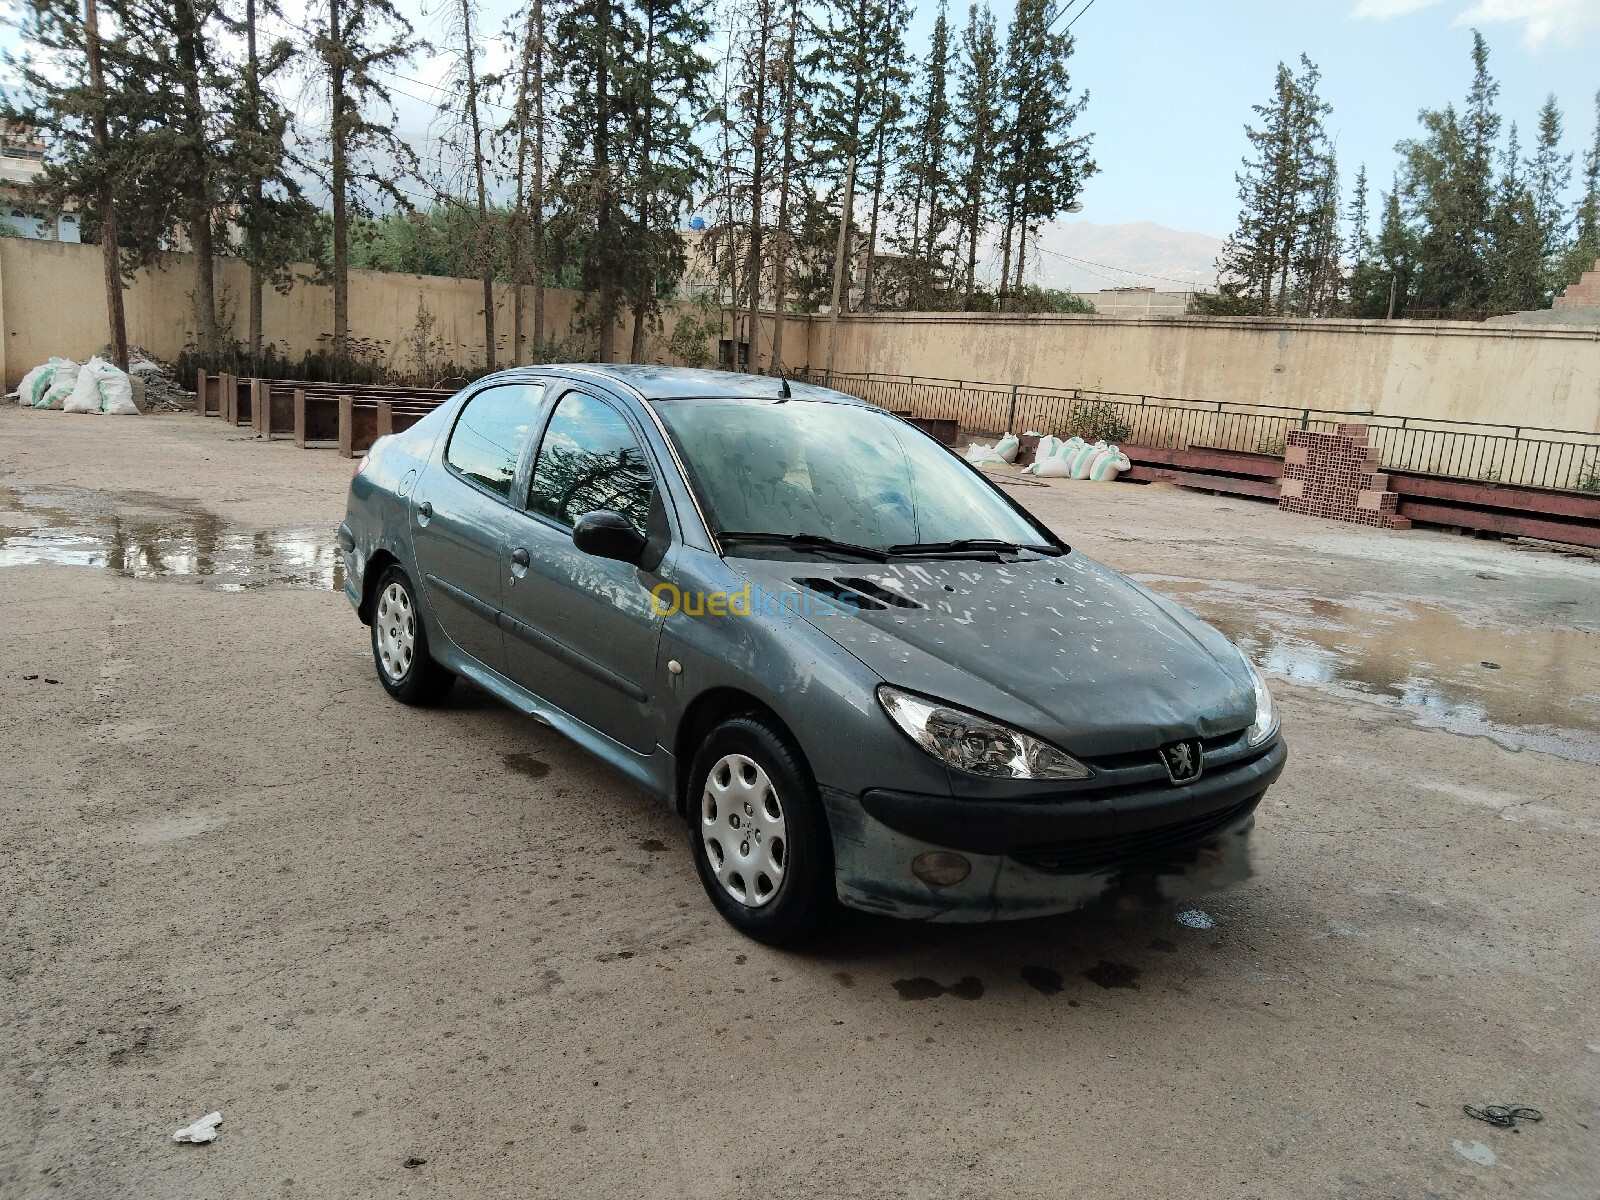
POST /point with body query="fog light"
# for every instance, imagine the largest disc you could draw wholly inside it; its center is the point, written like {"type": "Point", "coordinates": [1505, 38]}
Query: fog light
{"type": "Point", "coordinates": [940, 868]}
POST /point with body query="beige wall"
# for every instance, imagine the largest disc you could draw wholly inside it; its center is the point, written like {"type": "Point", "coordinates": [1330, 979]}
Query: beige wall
{"type": "Point", "coordinates": [1542, 376]}
{"type": "Point", "coordinates": [52, 302]}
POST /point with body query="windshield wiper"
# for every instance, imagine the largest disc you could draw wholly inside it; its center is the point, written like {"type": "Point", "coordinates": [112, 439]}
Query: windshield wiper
{"type": "Point", "coordinates": [971, 545]}
{"type": "Point", "coordinates": [810, 541]}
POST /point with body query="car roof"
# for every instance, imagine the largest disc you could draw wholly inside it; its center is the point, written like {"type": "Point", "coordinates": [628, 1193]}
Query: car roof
{"type": "Point", "coordinates": [687, 383]}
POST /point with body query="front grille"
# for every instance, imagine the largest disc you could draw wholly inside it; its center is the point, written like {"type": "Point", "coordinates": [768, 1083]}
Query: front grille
{"type": "Point", "coordinates": [1085, 855]}
{"type": "Point", "coordinates": [1209, 747]}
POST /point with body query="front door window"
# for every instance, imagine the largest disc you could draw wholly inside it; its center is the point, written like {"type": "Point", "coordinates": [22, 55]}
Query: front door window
{"type": "Point", "coordinates": [590, 460]}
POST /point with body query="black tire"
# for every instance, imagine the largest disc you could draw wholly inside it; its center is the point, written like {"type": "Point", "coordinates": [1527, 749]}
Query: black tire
{"type": "Point", "coordinates": [422, 681]}
{"type": "Point", "coordinates": [805, 898]}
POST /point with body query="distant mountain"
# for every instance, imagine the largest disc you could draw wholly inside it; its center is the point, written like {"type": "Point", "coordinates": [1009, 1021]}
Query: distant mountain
{"type": "Point", "coordinates": [1081, 256]}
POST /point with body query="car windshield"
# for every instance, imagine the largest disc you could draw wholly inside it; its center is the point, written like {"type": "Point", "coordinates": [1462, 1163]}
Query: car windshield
{"type": "Point", "coordinates": [824, 473]}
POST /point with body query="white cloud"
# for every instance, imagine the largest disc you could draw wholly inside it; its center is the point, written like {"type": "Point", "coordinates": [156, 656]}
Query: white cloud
{"type": "Point", "coordinates": [1542, 21]}
{"type": "Point", "coordinates": [1382, 10]}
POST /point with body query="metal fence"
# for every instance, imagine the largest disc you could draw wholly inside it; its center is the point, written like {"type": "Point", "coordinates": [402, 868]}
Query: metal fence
{"type": "Point", "coordinates": [1535, 457]}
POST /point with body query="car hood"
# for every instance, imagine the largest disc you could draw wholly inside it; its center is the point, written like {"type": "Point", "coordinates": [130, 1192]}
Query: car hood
{"type": "Point", "coordinates": [1063, 647]}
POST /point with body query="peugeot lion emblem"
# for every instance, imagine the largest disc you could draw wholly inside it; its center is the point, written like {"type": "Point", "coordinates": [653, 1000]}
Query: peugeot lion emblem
{"type": "Point", "coordinates": [1182, 760]}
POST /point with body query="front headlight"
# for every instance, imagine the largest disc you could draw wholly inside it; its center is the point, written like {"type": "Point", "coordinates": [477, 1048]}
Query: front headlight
{"type": "Point", "coordinates": [977, 745]}
{"type": "Point", "coordinates": [1266, 717]}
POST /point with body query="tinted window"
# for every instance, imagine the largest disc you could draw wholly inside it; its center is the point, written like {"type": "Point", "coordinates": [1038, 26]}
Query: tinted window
{"type": "Point", "coordinates": [850, 473]}
{"type": "Point", "coordinates": [491, 433]}
{"type": "Point", "coordinates": [589, 459]}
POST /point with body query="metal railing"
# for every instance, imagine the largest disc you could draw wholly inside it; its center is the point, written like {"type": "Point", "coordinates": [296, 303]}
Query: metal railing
{"type": "Point", "coordinates": [1503, 453]}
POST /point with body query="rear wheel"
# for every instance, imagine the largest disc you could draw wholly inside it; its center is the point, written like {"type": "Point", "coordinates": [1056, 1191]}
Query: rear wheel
{"type": "Point", "coordinates": [400, 644]}
{"type": "Point", "coordinates": [758, 833]}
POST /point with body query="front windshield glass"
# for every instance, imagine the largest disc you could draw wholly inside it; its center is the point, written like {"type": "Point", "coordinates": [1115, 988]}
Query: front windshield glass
{"type": "Point", "coordinates": [835, 471]}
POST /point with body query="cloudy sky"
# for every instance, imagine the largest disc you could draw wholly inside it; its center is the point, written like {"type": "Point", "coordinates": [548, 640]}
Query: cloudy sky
{"type": "Point", "coordinates": [1172, 82]}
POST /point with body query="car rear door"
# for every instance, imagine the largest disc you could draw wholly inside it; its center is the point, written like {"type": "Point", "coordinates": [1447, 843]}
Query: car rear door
{"type": "Point", "coordinates": [582, 631]}
{"type": "Point", "coordinates": [462, 515]}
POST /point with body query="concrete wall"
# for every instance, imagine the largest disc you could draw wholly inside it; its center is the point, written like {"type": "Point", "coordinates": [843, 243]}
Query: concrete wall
{"type": "Point", "coordinates": [1542, 376]}
{"type": "Point", "coordinates": [52, 302]}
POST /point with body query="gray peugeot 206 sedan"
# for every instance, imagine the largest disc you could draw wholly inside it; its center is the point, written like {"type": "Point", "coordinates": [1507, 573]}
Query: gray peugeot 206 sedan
{"type": "Point", "coordinates": [859, 670]}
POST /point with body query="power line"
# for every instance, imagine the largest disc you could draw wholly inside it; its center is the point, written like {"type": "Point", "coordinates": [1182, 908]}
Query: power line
{"type": "Point", "coordinates": [1188, 283]}
{"type": "Point", "coordinates": [1074, 20]}
{"type": "Point", "coordinates": [1061, 12]}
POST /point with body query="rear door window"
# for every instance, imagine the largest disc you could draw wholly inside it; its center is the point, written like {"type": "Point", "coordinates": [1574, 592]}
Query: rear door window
{"type": "Point", "coordinates": [491, 433]}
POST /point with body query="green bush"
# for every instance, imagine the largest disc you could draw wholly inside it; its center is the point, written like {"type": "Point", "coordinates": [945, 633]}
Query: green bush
{"type": "Point", "coordinates": [1095, 421]}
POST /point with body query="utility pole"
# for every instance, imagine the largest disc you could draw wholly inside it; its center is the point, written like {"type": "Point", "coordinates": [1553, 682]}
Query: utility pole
{"type": "Point", "coordinates": [115, 315]}
{"type": "Point", "coordinates": [838, 259]}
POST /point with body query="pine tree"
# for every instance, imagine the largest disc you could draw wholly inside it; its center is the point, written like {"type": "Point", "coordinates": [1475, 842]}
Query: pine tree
{"type": "Point", "coordinates": [527, 132]}
{"type": "Point", "coordinates": [1516, 252]}
{"type": "Point", "coordinates": [1278, 260]}
{"type": "Point", "coordinates": [1397, 256]}
{"type": "Point", "coordinates": [78, 80]}
{"type": "Point", "coordinates": [927, 175]}
{"type": "Point", "coordinates": [634, 81]}
{"type": "Point", "coordinates": [358, 41]}
{"type": "Point", "coordinates": [793, 114]}
{"type": "Point", "coordinates": [758, 95]}
{"type": "Point", "coordinates": [1450, 190]}
{"type": "Point", "coordinates": [891, 78]}
{"type": "Point", "coordinates": [1041, 166]}
{"type": "Point", "coordinates": [857, 60]}
{"type": "Point", "coordinates": [1317, 281]}
{"type": "Point", "coordinates": [1549, 176]}
{"type": "Point", "coordinates": [462, 111]}
{"type": "Point", "coordinates": [262, 186]}
{"type": "Point", "coordinates": [978, 119]}
{"type": "Point", "coordinates": [664, 96]}
{"type": "Point", "coordinates": [1359, 249]}
{"type": "Point", "coordinates": [1584, 252]}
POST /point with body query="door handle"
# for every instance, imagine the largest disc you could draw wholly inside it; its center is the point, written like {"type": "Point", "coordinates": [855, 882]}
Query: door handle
{"type": "Point", "coordinates": [519, 556]}
{"type": "Point", "coordinates": [425, 510]}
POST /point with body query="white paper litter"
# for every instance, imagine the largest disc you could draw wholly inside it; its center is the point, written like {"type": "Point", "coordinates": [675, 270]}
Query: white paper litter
{"type": "Point", "coordinates": [203, 1130]}
{"type": "Point", "coordinates": [1196, 918]}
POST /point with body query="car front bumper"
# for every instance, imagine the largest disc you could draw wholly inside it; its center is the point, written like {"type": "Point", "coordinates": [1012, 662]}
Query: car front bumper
{"type": "Point", "coordinates": [1039, 856]}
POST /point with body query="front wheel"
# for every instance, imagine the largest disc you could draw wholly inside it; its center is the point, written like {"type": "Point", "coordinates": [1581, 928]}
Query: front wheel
{"type": "Point", "coordinates": [400, 644]}
{"type": "Point", "coordinates": [758, 833]}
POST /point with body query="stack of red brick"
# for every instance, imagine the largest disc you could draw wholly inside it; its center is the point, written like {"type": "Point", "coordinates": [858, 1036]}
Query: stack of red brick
{"type": "Point", "coordinates": [1585, 293]}
{"type": "Point", "coordinates": [1335, 475]}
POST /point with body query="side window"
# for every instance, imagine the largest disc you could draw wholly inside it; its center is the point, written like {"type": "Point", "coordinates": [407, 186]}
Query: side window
{"type": "Point", "coordinates": [589, 459]}
{"type": "Point", "coordinates": [490, 435]}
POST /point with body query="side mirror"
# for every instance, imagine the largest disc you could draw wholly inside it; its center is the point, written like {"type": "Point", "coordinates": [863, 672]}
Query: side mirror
{"type": "Point", "coordinates": [608, 534]}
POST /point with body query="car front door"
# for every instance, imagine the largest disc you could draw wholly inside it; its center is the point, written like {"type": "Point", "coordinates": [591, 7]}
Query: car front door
{"type": "Point", "coordinates": [582, 631]}
{"type": "Point", "coordinates": [462, 514]}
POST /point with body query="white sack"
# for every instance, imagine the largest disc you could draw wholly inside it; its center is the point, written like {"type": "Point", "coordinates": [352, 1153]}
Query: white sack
{"type": "Point", "coordinates": [1007, 447]}
{"type": "Point", "coordinates": [62, 380]}
{"type": "Point", "coordinates": [27, 390]}
{"type": "Point", "coordinates": [1108, 464]}
{"type": "Point", "coordinates": [1054, 467]}
{"type": "Point", "coordinates": [101, 388]}
{"type": "Point", "coordinates": [978, 454]}
{"type": "Point", "coordinates": [1081, 458]}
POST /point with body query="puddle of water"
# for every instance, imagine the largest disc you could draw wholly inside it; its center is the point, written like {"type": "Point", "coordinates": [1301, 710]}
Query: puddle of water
{"type": "Point", "coordinates": [148, 537]}
{"type": "Point", "coordinates": [1535, 688]}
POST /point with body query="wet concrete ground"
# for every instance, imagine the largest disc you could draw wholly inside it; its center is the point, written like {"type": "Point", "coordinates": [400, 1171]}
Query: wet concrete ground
{"type": "Point", "coordinates": [238, 877]}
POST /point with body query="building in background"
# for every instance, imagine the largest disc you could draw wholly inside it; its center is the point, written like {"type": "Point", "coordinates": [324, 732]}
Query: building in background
{"type": "Point", "coordinates": [1138, 302]}
{"type": "Point", "coordinates": [22, 214]}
